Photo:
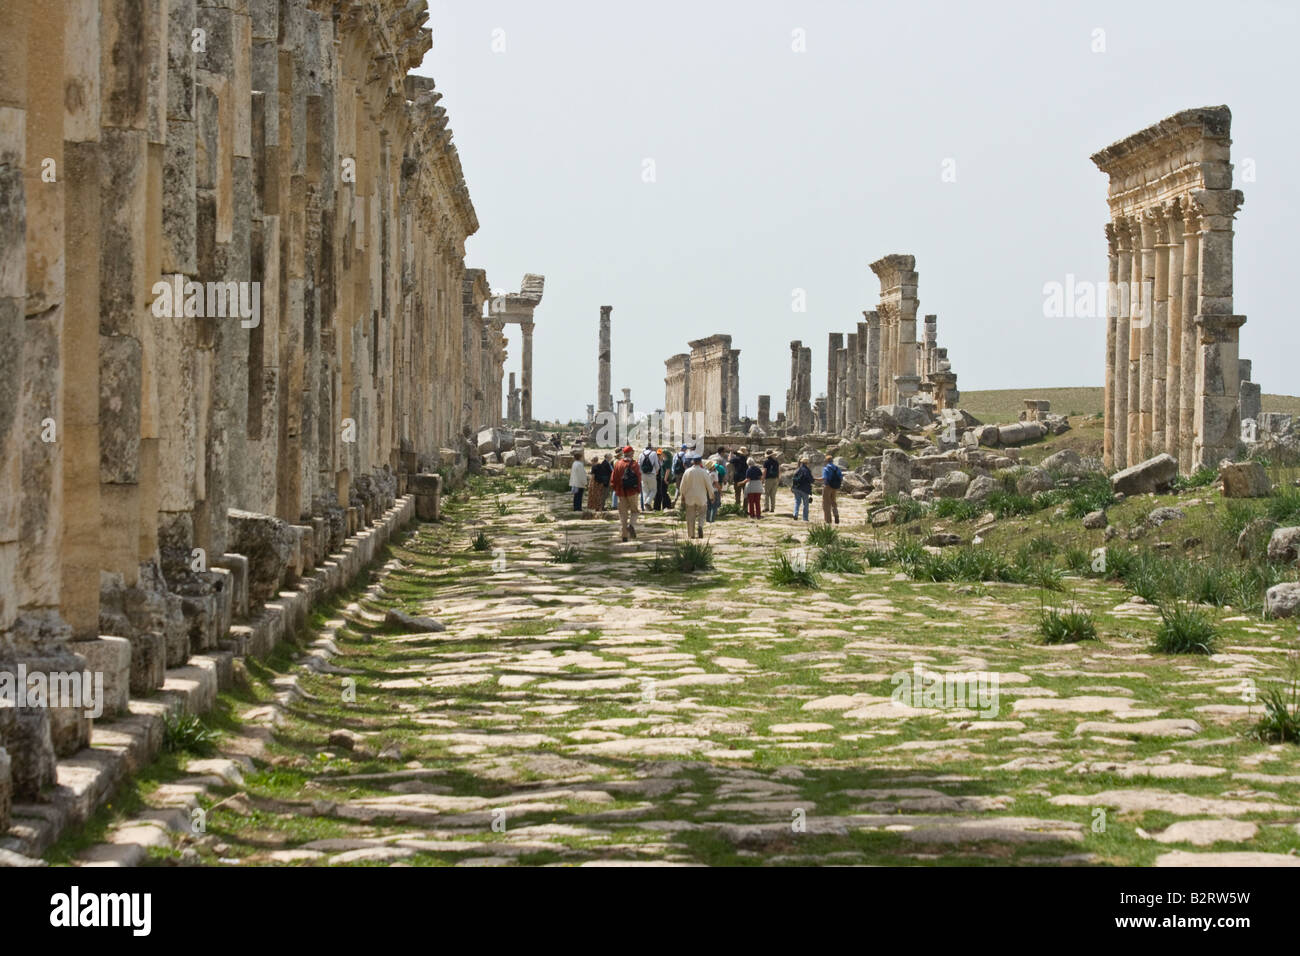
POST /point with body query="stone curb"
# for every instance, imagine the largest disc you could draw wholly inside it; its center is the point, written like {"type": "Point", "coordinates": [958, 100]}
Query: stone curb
{"type": "Point", "coordinates": [120, 747]}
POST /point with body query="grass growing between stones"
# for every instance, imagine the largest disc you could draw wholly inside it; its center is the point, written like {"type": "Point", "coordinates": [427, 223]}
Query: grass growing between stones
{"type": "Point", "coordinates": [614, 715]}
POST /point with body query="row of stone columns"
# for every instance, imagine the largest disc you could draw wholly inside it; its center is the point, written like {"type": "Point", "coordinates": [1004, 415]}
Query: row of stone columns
{"type": "Point", "coordinates": [242, 152]}
{"type": "Point", "coordinates": [1172, 374]}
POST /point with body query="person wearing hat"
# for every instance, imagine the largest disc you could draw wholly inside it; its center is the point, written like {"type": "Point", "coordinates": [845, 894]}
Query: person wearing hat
{"type": "Point", "coordinates": [802, 484]}
{"type": "Point", "coordinates": [695, 494]}
{"type": "Point", "coordinates": [739, 464]}
{"type": "Point", "coordinates": [832, 478]}
{"type": "Point", "coordinates": [602, 472]}
{"type": "Point", "coordinates": [627, 491]}
{"type": "Point", "coordinates": [771, 478]}
{"type": "Point", "coordinates": [577, 480]}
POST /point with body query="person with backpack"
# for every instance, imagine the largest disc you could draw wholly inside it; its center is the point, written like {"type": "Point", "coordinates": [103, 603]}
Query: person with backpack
{"type": "Point", "coordinates": [681, 461]}
{"type": "Point", "coordinates": [753, 489]}
{"type": "Point", "coordinates": [716, 472]}
{"type": "Point", "coordinates": [802, 484]}
{"type": "Point", "coordinates": [771, 478]}
{"type": "Point", "coordinates": [602, 473]}
{"type": "Point", "coordinates": [627, 491]}
{"type": "Point", "coordinates": [649, 465]}
{"type": "Point", "coordinates": [739, 465]}
{"type": "Point", "coordinates": [832, 478]}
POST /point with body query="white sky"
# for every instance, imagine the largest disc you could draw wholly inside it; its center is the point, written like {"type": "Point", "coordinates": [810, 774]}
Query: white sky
{"type": "Point", "coordinates": [778, 170]}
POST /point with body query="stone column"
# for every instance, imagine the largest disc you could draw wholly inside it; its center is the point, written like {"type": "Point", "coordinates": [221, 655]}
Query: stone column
{"type": "Point", "coordinates": [871, 388]}
{"type": "Point", "coordinates": [604, 396]}
{"type": "Point", "coordinates": [1146, 365]}
{"type": "Point", "coordinates": [835, 342]}
{"type": "Point", "coordinates": [765, 412]}
{"type": "Point", "coordinates": [792, 395]}
{"type": "Point", "coordinates": [852, 411]}
{"type": "Point", "coordinates": [1174, 330]}
{"type": "Point", "coordinates": [805, 386]}
{"type": "Point", "coordinates": [926, 367]}
{"type": "Point", "coordinates": [1119, 359]}
{"type": "Point", "coordinates": [1218, 426]}
{"type": "Point", "coordinates": [1159, 330]}
{"type": "Point", "coordinates": [526, 391]}
{"type": "Point", "coordinates": [1112, 309]}
{"type": "Point", "coordinates": [733, 384]}
{"type": "Point", "coordinates": [1135, 343]}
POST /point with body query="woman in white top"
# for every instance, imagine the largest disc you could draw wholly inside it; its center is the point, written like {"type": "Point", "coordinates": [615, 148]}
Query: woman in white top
{"type": "Point", "coordinates": [577, 480]}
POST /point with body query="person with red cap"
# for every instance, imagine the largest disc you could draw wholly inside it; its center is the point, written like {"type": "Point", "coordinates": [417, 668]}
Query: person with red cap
{"type": "Point", "coordinates": [626, 481]}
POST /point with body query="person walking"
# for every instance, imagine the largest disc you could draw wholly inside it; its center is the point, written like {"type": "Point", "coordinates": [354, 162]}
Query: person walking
{"type": "Point", "coordinates": [739, 465]}
{"type": "Point", "coordinates": [753, 489]}
{"type": "Point", "coordinates": [771, 478]}
{"type": "Point", "coordinates": [832, 478]}
{"type": "Point", "coordinates": [664, 495]}
{"type": "Point", "coordinates": [577, 480]}
{"type": "Point", "coordinates": [695, 494]}
{"type": "Point", "coordinates": [802, 485]}
{"type": "Point", "coordinates": [715, 470]}
{"type": "Point", "coordinates": [681, 461]}
{"type": "Point", "coordinates": [649, 463]}
{"type": "Point", "coordinates": [627, 491]}
{"type": "Point", "coordinates": [601, 473]}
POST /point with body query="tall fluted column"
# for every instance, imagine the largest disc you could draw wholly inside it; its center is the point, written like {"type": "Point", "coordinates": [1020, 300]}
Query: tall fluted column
{"type": "Point", "coordinates": [604, 397]}
{"type": "Point", "coordinates": [1112, 319]}
{"type": "Point", "coordinates": [1147, 361]}
{"type": "Point", "coordinates": [1191, 292]}
{"type": "Point", "coordinates": [833, 415]}
{"type": "Point", "coordinates": [1174, 325]}
{"type": "Point", "coordinates": [526, 395]}
{"type": "Point", "coordinates": [1123, 342]}
{"type": "Point", "coordinates": [873, 359]}
{"type": "Point", "coordinates": [1159, 331]}
{"type": "Point", "coordinates": [852, 413]}
{"type": "Point", "coordinates": [1218, 422]}
{"type": "Point", "coordinates": [1135, 343]}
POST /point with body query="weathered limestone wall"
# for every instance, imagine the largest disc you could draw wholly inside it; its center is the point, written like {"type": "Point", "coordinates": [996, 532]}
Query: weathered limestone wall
{"type": "Point", "coordinates": [233, 309]}
{"type": "Point", "coordinates": [1172, 374]}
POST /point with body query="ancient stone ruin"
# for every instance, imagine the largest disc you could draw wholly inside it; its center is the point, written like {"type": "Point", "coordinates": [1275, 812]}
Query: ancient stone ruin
{"type": "Point", "coordinates": [882, 363]}
{"type": "Point", "coordinates": [1172, 372]}
{"type": "Point", "coordinates": [235, 324]}
{"type": "Point", "coordinates": [702, 387]}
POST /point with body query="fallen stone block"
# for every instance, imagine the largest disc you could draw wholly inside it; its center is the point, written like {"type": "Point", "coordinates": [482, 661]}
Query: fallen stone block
{"type": "Point", "coordinates": [1154, 474]}
{"type": "Point", "coordinates": [1244, 479]}
{"type": "Point", "coordinates": [412, 623]}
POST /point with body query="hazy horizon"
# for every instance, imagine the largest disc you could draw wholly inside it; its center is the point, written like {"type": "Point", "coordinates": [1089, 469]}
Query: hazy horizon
{"type": "Point", "coordinates": [777, 171]}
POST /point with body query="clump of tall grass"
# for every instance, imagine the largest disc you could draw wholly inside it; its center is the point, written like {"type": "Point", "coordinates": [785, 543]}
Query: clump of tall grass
{"type": "Point", "coordinates": [1185, 629]}
{"type": "Point", "coordinates": [957, 509]}
{"type": "Point", "coordinates": [785, 572]}
{"type": "Point", "coordinates": [481, 542]}
{"type": "Point", "coordinates": [1066, 625]}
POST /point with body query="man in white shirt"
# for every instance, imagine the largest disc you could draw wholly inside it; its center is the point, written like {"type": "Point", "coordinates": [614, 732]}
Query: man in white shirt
{"type": "Point", "coordinates": [696, 489]}
{"type": "Point", "coordinates": [649, 479]}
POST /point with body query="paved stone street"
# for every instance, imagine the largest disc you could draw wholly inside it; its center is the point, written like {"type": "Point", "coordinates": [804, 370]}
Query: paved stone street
{"type": "Point", "coordinates": [603, 712]}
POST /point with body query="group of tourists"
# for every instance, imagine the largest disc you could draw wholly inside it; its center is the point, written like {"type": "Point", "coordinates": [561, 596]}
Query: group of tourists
{"type": "Point", "coordinates": [658, 480]}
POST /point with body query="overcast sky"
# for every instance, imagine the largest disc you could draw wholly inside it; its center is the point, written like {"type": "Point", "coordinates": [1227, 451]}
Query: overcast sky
{"type": "Point", "coordinates": [776, 170]}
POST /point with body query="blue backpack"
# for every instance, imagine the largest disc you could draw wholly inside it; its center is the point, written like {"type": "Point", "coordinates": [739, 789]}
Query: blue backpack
{"type": "Point", "coordinates": [832, 476]}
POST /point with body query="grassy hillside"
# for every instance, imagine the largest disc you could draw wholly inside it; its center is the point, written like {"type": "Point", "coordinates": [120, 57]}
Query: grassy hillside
{"type": "Point", "coordinates": [1005, 404]}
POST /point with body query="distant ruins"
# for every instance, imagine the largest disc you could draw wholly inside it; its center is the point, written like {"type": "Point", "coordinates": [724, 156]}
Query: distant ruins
{"type": "Point", "coordinates": [165, 469]}
{"type": "Point", "coordinates": [1173, 379]}
{"type": "Point", "coordinates": [703, 387]}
